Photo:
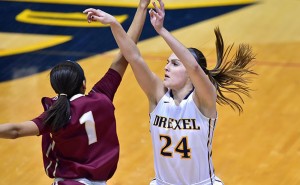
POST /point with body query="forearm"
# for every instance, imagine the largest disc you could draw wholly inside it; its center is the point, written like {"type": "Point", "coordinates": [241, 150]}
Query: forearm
{"type": "Point", "coordinates": [134, 33]}
{"type": "Point", "coordinates": [16, 130]}
{"type": "Point", "coordinates": [8, 131]}
{"type": "Point", "coordinates": [178, 48]}
{"type": "Point", "coordinates": [157, 21]}
{"type": "Point", "coordinates": [135, 29]}
{"type": "Point", "coordinates": [127, 46]}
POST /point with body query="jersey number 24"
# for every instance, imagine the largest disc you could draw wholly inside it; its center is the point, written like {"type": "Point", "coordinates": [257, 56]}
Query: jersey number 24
{"type": "Point", "coordinates": [181, 147]}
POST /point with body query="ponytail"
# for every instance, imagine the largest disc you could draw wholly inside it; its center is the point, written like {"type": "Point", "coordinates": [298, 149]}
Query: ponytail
{"type": "Point", "coordinates": [229, 76]}
{"type": "Point", "coordinates": [58, 114]}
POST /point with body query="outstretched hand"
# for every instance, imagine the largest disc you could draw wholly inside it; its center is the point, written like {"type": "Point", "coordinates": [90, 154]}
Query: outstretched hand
{"type": "Point", "coordinates": [99, 15]}
{"type": "Point", "coordinates": [157, 17]}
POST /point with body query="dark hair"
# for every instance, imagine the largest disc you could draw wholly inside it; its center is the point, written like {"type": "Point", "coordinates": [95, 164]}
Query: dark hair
{"type": "Point", "coordinates": [66, 79]}
{"type": "Point", "coordinates": [200, 58]}
{"type": "Point", "coordinates": [228, 76]}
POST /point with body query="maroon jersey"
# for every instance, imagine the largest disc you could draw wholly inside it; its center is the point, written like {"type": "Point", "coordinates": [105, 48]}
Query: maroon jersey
{"type": "Point", "coordinates": [88, 146]}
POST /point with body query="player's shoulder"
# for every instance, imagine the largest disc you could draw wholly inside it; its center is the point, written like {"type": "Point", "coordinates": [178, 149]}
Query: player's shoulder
{"type": "Point", "coordinates": [92, 100]}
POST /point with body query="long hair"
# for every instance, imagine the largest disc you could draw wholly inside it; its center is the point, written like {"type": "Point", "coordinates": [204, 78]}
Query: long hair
{"type": "Point", "coordinates": [66, 79]}
{"type": "Point", "coordinates": [229, 76]}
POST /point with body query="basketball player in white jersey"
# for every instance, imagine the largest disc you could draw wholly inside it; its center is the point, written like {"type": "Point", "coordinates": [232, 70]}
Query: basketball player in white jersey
{"type": "Point", "coordinates": [183, 110]}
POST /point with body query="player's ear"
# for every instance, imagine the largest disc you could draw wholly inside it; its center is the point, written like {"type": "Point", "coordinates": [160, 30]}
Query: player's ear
{"type": "Point", "coordinates": [83, 88]}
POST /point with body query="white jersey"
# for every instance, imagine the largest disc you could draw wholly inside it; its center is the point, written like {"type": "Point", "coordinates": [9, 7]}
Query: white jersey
{"type": "Point", "coordinates": [182, 142]}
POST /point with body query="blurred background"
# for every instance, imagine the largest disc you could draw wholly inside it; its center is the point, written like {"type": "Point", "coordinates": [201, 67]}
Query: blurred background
{"type": "Point", "coordinates": [259, 146]}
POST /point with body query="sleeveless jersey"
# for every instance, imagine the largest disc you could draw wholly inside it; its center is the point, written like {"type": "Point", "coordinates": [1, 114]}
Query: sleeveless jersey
{"type": "Point", "coordinates": [182, 142]}
{"type": "Point", "coordinates": [88, 146]}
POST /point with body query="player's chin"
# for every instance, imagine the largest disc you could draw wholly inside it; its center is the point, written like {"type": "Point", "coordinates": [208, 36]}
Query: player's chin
{"type": "Point", "coordinates": [166, 83]}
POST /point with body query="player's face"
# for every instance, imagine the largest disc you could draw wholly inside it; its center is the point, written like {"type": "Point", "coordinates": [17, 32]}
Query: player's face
{"type": "Point", "coordinates": [175, 73]}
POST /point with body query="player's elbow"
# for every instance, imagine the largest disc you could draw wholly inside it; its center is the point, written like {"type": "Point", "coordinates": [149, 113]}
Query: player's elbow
{"type": "Point", "coordinates": [14, 134]}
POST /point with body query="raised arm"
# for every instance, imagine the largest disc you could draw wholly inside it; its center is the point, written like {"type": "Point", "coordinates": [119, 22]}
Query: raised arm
{"type": "Point", "coordinates": [16, 130]}
{"type": "Point", "coordinates": [134, 32]}
{"type": "Point", "coordinates": [205, 92]}
{"type": "Point", "coordinates": [149, 82]}
{"type": "Point", "coordinates": [119, 63]}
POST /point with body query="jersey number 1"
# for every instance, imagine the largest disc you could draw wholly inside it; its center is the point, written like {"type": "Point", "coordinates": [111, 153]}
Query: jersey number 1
{"type": "Point", "coordinates": [90, 129]}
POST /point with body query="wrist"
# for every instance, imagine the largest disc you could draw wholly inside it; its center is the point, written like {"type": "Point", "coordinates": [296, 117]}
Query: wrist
{"type": "Point", "coordinates": [143, 6]}
{"type": "Point", "coordinates": [115, 24]}
{"type": "Point", "coordinates": [161, 30]}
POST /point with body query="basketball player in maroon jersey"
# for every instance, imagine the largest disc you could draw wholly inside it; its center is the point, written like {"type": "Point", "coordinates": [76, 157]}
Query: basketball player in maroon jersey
{"type": "Point", "coordinates": [79, 139]}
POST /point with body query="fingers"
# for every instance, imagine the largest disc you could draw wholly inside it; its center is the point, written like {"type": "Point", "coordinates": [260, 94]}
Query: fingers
{"type": "Point", "coordinates": [152, 13]}
{"type": "Point", "coordinates": [155, 6]}
{"type": "Point", "coordinates": [89, 10]}
{"type": "Point", "coordinates": [89, 17]}
{"type": "Point", "coordinates": [93, 14]}
{"type": "Point", "coordinates": [161, 4]}
{"type": "Point", "coordinates": [161, 9]}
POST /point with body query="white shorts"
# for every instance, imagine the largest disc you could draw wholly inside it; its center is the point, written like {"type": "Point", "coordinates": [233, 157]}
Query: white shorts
{"type": "Point", "coordinates": [216, 182]}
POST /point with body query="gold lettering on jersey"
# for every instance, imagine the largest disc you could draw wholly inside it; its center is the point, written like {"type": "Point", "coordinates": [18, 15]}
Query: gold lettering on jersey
{"type": "Point", "coordinates": [171, 123]}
